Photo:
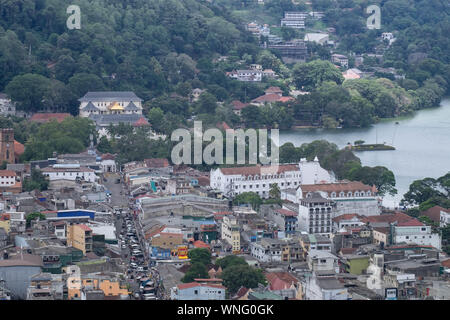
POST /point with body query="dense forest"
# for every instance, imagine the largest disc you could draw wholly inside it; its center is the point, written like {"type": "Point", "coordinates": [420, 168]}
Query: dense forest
{"type": "Point", "coordinates": [163, 49]}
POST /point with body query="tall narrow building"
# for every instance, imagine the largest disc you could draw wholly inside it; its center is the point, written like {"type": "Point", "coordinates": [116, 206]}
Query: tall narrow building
{"type": "Point", "coordinates": [7, 145]}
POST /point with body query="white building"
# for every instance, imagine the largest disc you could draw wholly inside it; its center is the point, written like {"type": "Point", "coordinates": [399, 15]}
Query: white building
{"type": "Point", "coordinates": [323, 261]}
{"type": "Point", "coordinates": [246, 75]}
{"type": "Point", "coordinates": [7, 178]}
{"type": "Point", "coordinates": [71, 172]}
{"type": "Point", "coordinates": [350, 196]}
{"type": "Point", "coordinates": [324, 288]}
{"type": "Point", "coordinates": [319, 38]}
{"type": "Point", "coordinates": [110, 102]}
{"type": "Point", "coordinates": [415, 232]}
{"type": "Point", "coordinates": [315, 214]}
{"type": "Point", "coordinates": [197, 291]}
{"type": "Point", "coordinates": [340, 59]}
{"type": "Point", "coordinates": [259, 178]}
{"type": "Point", "coordinates": [7, 107]}
{"type": "Point", "coordinates": [375, 271]}
{"type": "Point", "coordinates": [266, 250]}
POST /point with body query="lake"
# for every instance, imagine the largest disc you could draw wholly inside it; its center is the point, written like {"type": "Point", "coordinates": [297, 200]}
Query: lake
{"type": "Point", "coordinates": [422, 143]}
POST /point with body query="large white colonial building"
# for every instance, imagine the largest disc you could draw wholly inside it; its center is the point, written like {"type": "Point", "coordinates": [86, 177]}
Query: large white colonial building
{"type": "Point", "coordinates": [258, 179]}
{"type": "Point", "coordinates": [110, 102]}
{"type": "Point", "coordinates": [349, 196]}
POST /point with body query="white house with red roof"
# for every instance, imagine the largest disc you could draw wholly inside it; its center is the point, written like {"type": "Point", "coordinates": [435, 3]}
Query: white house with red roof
{"type": "Point", "coordinates": [415, 232]}
{"type": "Point", "coordinates": [259, 178]}
{"type": "Point", "coordinates": [350, 196]}
{"type": "Point", "coordinates": [198, 291]}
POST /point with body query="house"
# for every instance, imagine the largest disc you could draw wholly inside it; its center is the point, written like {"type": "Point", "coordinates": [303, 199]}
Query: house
{"type": "Point", "coordinates": [439, 215]}
{"type": "Point", "coordinates": [166, 237]}
{"type": "Point", "coordinates": [259, 178]}
{"type": "Point", "coordinates": [108, 163]}
{"type": "Point", "coordinates": [198, 291]}
{"type": "Point", "coordinates": [346, 221]}
{"type": "Point", "coordinates": [8, 182]}
{"type": "Point", "coordinates": [110, 102]}
{"type": "Point", "coordinates": [319, 38]}
{"type": "Point", "coordinates": [284, 284]}
{"type": "Point", "coordinates": [352, 74]}
{"type": "Point", "coordinates": [7, 107]}
{"type": "Point", "coordinates": [310, 242]}
{"type": "Point", "coordinates": [290, 51]}
{"type": "Point", "coordinates": [355, 264]}
{"type": "Point", "coordinates": [274, 90]}
{"type": "Point", "coordinates": [322, 261]}
{"type": "Point", "coordinates": [246, 75]}
{"type": "Point", "coordinates": [340, 59]}
{"type": "Point", "coordinates": [267, 250]}
{"type": "Point", "coordinates": [47, 117]}
{"type": "Point", "coordinates": [324, 288]}
{"type": "Point", "coordinates": [269, 73]}
{"type": "Point", "coordinates": [238, 106]}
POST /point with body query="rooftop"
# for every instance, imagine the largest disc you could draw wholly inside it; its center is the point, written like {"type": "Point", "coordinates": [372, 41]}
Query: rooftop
{"type": "Point", "coordinates": [110, 96]}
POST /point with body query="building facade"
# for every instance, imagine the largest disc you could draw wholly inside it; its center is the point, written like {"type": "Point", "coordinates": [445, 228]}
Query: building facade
{"type": "Point", "coordinates": [108, 102]}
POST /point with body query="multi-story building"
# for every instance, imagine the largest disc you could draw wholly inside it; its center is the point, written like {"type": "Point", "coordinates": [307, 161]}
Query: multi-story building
{"type": "Point", "coordinates": [267, 250]}
{"type": "Point", "coordinates": [294, 20]}
{"type": "Point", "coordinates": [258, 179]}
{"type": "Point", "coordinates": [349, 196]}
{"type": "Point", "coordinates": [340, 59]}
{"type": "Point", "coordinates": [110, 103]}
{"type": "Point", "coordinates": [231, 232]}
{"type": "Point", "coordinates": [315, 214]}
{"type": "Point", "coordinates": [290, 51]}
{"type": "Point", "coordinates": [286, 220]}
{"type": "Point", "coordinates": [7, 145]}
{"type": "Point", "coordinates": [79, 236]}
{"type": "Point", "coordinates": [415, 232]}
{"type": "Point", "coordinates": [323, 261]}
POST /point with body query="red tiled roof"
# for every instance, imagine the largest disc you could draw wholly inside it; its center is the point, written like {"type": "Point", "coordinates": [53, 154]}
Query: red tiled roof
{"type": "Point", "coordinates": [285, 99]}
{"type": "Point", "coordinates": [237, 105]}
{"type": "Point", "coordinates": [382, 230]}
{"type": "Point", "coordinates": [200, 244]}
{"type": "Point", "coordinates": [280, 280]}
{"type": "Point", "coordinates": [108, 156]}
{"type": "Point", "coordinates": [347, 216]}
{"type": "Point", "coordinates": [287, 213]}
{"type": "Point", "coordinates": [46, 117]}
{"type": "Point", "coordinates": [209, 280]}
{"type": "Point", "coordinates": [434, 213]}
{"type": "Point", "coordinates": [270, 97]}
{"type": "Point", "coordinates": [141, 122]}
{"type": "Point", "coordinates": [241, 292]}
{"type": "Point", "coordinates": [195, 284]}
{"type": "Point", "coordinates": [84, 227]}
{"type": "Point", "coordinates": [18, 148]}
{"type": "Point", "coordinates": [411, 223]}
{"type": "Point", "coordinates": [258, 169]}
{"type": "Point", "coordinates": [398, 217]}
{"type": "Point", "coordinates": [337, 187]}
{"type": "Point", "coordinates": [156, 162]}
{"type": "Point", "coordinates": [273, 89]}
{"type": "Point", "coordinates": [345, 251]}
{"type": "Point", "coordinates": [8, 173]}
{"type": "Point", "coordinates": [446, 263]}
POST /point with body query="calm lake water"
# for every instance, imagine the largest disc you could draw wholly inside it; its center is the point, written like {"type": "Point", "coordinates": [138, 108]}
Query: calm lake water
{"type": "Point", "coordinates": [422, 143]}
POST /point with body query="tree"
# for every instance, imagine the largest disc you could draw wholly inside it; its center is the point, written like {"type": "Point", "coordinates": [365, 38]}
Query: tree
{"type": "Point", "coordinates": [250, 198]}
{"type": "Point", "coordinates": [230, 260]}
{"type": "Point", "coordinates": [34, 216]}
{"type": "Point", "coordinates": [37, 181]}
{"type": "Point", "coordinates": [239, 275]}
{"type": "Point", "coordinates": [380, 177]}
{"type": "Point", "coordinates": [312, 74]}
{"type": "Point", "coordinates": [28, 91]}
{"type": "Point", "coordinates": [196, 271]}
{"type": "Point", "coordinates": [274, 191]}
{"type": "Point", "coordinates": [200, 255]}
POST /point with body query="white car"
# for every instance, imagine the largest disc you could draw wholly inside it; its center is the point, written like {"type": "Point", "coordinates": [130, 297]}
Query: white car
{"type": "Point", "coordinates": [133, 265]}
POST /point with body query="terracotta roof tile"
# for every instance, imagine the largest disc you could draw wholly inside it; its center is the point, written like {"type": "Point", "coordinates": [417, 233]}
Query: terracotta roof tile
{"type": "Point", "coordinates": [258, 169]}
{"type": "Point", "coordinates": [46, 117]}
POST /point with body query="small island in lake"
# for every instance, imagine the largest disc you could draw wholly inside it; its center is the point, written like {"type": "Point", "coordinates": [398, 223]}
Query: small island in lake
{"type": "Point", "coordinates": [362, 146]}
